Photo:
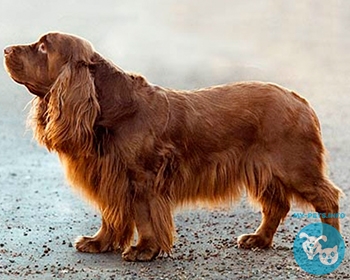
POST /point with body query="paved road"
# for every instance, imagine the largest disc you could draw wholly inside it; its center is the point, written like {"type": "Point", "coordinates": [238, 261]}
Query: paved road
{"type": "Point", "coordinates": [302, 45]}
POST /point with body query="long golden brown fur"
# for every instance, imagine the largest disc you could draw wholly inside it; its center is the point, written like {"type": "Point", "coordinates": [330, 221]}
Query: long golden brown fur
{"type": "Point", "coordinates": [138, 150]}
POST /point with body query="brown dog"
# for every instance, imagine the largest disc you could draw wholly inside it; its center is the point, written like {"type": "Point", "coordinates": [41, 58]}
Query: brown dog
{"type": "Point", "coordinates": [138, 150]}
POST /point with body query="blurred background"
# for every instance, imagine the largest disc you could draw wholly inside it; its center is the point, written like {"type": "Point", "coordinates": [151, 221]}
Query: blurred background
{"type": "Point", "coordinates": [302, 45]}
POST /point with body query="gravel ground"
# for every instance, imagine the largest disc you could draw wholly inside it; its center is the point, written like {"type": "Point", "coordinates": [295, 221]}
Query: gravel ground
{"type": "Point", "coordinates": [302, 45]}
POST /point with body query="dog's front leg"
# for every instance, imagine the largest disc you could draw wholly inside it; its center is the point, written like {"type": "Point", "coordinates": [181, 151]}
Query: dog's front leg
{"type": "Point", "coordinates": [146, 248]}
{"type": "Point", "coordinates": [154, 224]}
{"type": "Point", "coordinates": [102, 241]}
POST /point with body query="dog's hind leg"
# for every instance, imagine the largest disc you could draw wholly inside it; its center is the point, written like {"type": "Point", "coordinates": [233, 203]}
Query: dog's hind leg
{"type": "Point", "coordinates": [317, 190]}
{"type": "Point", "coordinates": [324, 196]}
{"type": "Point", "coordinates": [275, 206]}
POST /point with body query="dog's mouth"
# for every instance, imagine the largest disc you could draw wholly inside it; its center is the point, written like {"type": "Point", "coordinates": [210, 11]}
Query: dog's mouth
{"type": "Point", "coordinates": [12, 67]}
{"type": "Point", "coordinates": [14, 77]}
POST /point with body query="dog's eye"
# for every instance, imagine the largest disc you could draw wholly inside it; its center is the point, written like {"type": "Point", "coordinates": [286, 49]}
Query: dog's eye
{"type": "Point", "coordinates": [42, 48]}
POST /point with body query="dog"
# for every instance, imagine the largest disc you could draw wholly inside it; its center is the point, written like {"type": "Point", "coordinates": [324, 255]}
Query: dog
{"type": "Point", "coordinates": [138, 150]}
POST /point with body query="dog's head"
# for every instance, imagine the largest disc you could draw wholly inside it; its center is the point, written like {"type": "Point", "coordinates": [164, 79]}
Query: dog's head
{"type": "Point", "coordinates": [56, 70]}
{"type": "Point", "coordinates": [39, 65]}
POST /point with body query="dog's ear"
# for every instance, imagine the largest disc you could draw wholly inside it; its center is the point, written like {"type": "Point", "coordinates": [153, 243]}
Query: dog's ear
{"type": "Point", "coordinates": [72, 110]}
{"type": "Point", "coordinates": [115, 90]}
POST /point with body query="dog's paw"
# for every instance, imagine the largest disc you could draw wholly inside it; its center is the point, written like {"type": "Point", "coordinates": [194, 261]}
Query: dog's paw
{"type": "Point", "coordinates": [134, 253]}
{"type": "Point", "coordinates": [252, 241]}
{"type": "Point", "coordinates": [91, 245]}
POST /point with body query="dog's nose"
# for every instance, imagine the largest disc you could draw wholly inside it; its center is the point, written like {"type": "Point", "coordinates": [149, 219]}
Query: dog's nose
{"type": "Point", "coordinates": [8, 50]}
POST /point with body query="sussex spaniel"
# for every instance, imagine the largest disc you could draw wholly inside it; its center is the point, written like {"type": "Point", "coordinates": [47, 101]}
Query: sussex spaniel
{"type": "Point", "coordinates": [138, 150]}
